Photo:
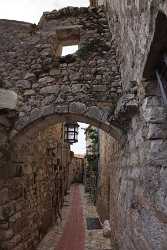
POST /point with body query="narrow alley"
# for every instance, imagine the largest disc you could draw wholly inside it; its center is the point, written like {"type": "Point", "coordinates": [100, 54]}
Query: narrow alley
{"type": "Point", "coordinates": [83, 125]}
{"type": "Point", "coordinates": [72, 232]}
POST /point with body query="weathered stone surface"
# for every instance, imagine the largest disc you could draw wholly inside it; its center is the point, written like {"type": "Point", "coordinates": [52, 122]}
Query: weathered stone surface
{"type": "Point", "coordinates": [24, 84]}
{"type": "Point", "coordinates": [50, 90]}
{"type": "Point", "coordinates": [36, 158]}
{"type": "Point", "coordinates": [155, 114]}
{"type": "Point", "coordinates": [77, 107]}
{"type": "Point", "coordinates": [94, 113]}
{"type": "Point", "coordinates": [30, 76]}
{"type": "Point", "coordinates": [61, 109]}
{"type": "Point", "coordinates": [89, 76]}
{"type": "Point", "coordinates": [29, 92]}
{"type": "Point", "coordinates": [45, 80]}
{"type": "Point", "coordinates": [127, 106]}
{"type": "Point", "coordinates": [107, 68]}
{"type": "Point", "coordinates": [8, 99]}
{"type": "Point", "coordinates": [4, 196]}
{"type": "Point", "coordinates": [157, 131]}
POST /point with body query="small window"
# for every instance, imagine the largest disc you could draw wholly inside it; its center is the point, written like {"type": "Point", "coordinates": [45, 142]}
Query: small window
{"type": "Point", "coordinates": [69, 50]}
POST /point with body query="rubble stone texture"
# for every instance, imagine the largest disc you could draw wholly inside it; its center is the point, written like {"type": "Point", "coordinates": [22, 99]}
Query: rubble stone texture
{"type": "Point", "coordinates": [86, 84]}
{"type": "Point", "coordinates": [110, 83]}
{"type": "Point", "coordinates": [138, 168]}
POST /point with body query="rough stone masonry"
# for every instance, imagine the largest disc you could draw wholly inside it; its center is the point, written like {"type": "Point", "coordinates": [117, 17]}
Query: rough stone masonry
{"type": "Point", "coordinates": [87, 83]}
{"type": "Point", "coordinates": [109, 82]}
{"type": "Point", "coordinates": [138, 205]}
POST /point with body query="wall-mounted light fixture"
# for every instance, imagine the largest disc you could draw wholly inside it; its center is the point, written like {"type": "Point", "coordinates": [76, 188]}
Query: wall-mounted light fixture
{"type": "Point", "coordinates": [71, 132]}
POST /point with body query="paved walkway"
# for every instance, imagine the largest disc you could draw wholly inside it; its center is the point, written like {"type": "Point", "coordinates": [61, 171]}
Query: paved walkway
{"type": "Point", "coordinates": [73, 237]}
{"type": "Point", "coordinates": [72, 233]}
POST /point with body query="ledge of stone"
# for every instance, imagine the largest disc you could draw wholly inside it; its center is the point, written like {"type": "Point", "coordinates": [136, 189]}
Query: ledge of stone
{"type": "Point", "coordinates": [127, 106]}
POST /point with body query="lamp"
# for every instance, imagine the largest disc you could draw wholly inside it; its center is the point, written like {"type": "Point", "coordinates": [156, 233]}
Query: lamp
{"type": "Point", "coordinates": [71, 132]}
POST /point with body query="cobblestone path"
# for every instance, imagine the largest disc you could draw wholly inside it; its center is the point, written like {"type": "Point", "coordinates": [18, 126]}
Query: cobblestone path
{"type": "Point", "coordinates": [73, 237]}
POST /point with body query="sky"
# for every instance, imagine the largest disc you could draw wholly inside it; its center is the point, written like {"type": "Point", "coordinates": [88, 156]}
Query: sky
{"type": "Point", "coordinates": [31, 10]}
{"type": "Point", "coordinates": [69, 50]}
{"type": "Point", "coordinates": [80, 146]}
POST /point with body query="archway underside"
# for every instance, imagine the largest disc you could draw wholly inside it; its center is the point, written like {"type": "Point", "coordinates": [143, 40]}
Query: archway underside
{"type": "Point", "coordinates": [43, 122]}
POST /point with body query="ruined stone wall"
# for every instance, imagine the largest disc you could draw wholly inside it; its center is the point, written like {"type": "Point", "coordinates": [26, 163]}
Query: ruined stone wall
{"type": "Point", "coordinates": [45, 82]}
{"type": "Point", "coordinates": [138, 167]}
{"type": "Point", "coordinates": [31, 197]}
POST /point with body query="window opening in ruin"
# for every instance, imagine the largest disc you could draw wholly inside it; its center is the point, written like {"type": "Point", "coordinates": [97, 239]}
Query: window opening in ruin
{"type": "Point", "coordinates": [69, 50]}
{"type": "Point", "coordinates": [161, 75]}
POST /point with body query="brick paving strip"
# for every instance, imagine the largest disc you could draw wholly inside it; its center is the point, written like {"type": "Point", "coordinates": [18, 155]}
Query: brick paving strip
{"type": "Point", "coordinates": [72, 233]}
{"type": "Point", "coordinates": [73, 237]}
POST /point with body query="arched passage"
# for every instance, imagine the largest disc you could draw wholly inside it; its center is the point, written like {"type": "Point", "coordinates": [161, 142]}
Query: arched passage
{"type": "Point", "coordinates": [94, 116]}
{"type": "Point", "coordinates": [38, 170]}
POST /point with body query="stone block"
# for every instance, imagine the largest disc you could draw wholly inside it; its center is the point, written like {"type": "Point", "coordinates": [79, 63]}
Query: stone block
{"type": "Point", "coordinates": [77, 88]}
{"type": "Point", "coordinates": [54, 89]}
{"type": "Point", "coordinates": [155, 114]}
{"type": "Point", "coordinates": [47, 110]}
{"type": "Point", "coordinates": [99, 88]}
{"type": "Point", "coordinates": [8, 99]}
{"type": "Point", "coordinates": [95, 113]}
{"type": "Point", "coordinates": [157, 131]}
{"type": "Point", "coordinates": [151, 101]}
{"type": "Point", "coordinates": [54, 72]}
{"type": "Point", "coordinates": [4, 196]}
{"type": "Point", "coordinates": [77, 107]}
{"type": "Point", "coordinates": [23, 84]}
{"type": "Point", "coordinates": [44, 81]}
{"type": "Point", "coordinates": [30, 76]}
{"type": "Point", "coordinates": [29, 92]}
{"type": "Point", "coordinates": [35, 114]}
{"type": "Point", "coordinates": [61, 109]}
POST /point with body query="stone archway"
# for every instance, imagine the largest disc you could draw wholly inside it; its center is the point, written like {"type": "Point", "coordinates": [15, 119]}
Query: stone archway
{"type": "Point", "coordinates": [50, 88]}
{"type": "Point", "coordinates": [85, 84]}
{"type": "Point", "coordinates": [75, 112]}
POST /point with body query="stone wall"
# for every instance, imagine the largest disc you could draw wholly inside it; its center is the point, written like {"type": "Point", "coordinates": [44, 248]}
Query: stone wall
{"type": "Point", "coordinates": [77, 167]}
{"type": "Point", "coordinates": [33, 189]}
{"type": "Point", "coordinates": [103, 189]}
{"type": "Point", "coordinates": [133, 25]}
{"type": "Point", "coordinates": [47, 85]}
{"type": "Point", "coordinates": [138, 176]}
{"type": "Point", "coordinates": [85, 83]}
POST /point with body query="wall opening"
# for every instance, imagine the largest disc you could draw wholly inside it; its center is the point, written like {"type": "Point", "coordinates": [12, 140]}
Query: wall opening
{"type": "Point", "coordinates": [66, 50]}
